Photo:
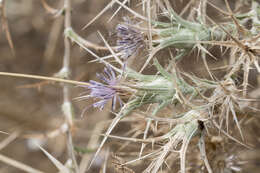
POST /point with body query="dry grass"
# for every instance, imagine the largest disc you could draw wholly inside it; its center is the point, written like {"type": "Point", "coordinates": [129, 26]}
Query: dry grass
{"type": "Point", "coordinates": [186, 72]}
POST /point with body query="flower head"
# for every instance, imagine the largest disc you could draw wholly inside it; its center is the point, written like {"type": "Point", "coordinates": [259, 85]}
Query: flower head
{"type": "Point", "coordinates": [104, 91]}
{"type": "Point", "coordinates": [129, 39]}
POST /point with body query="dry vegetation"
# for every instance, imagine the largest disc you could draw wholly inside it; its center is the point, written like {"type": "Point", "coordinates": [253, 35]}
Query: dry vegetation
{"type": "Point", "coordinates": [130, 86]}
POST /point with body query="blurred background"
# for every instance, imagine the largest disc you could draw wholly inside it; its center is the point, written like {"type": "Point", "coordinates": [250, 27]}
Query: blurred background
{"type": "Point", "coordinates": [32, 108]}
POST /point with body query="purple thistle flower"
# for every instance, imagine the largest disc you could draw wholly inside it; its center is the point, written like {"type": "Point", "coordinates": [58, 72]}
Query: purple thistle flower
{"type": "Point", "coordinates": [104, 91]}
{"type": "Point", "coordinates": [129, 39]}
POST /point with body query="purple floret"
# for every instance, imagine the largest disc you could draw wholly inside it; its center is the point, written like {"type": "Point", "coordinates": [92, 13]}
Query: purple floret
{"type": "Point", "coordinates": [129, 40]}
{"type": "Point", "coordinates": [104, 91]}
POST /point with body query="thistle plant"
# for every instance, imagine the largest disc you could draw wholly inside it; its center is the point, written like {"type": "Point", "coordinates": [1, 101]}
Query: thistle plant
{"type": "Point", "coordinates": [176, 121]}
{"type": "Point", "coordinates": [184, 36]}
